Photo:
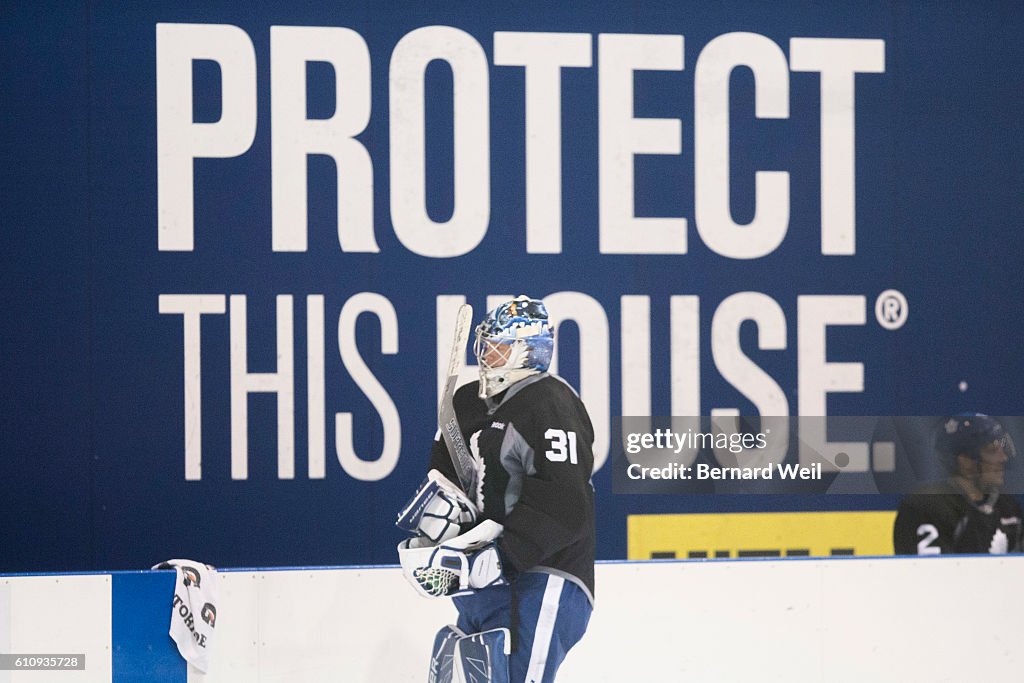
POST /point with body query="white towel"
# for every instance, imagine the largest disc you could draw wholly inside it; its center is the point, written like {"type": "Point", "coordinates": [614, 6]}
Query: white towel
{"type": "Point", "coordinates": [193, 610]}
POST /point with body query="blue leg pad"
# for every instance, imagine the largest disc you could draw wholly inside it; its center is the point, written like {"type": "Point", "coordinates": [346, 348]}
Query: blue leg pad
{"type": "Point", "coordinates": [442, 661]}
{"type": "Point", "coordinates": [483, 657]}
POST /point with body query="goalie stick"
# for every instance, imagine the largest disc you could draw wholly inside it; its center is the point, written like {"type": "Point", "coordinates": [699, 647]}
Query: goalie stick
{"type": "Point", "coordinates": [446, 420]}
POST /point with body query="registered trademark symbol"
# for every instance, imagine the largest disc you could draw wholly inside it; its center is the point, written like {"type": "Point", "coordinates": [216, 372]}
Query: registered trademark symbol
{"type": "Point", "coordinates": [891, 309]}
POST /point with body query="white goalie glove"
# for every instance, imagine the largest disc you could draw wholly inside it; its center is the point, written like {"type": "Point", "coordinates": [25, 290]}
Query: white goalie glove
{"type": "Point", "coordinates": [458, 566]}
{"type": "Point", "coordinates": [438, 511]}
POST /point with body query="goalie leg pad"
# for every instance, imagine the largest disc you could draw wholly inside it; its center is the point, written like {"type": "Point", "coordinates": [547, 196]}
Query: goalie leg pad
{"type": "Point", "coordinates": [474, 658]}
{"type": "Point", "coordinates": [442, 660]}
{"type": "Point", "coordinates": [483, 657]}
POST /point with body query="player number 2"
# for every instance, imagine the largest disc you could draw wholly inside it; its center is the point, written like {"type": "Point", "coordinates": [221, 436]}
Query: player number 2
{"type": "Point", "coordinates": [929, 533]}
{"type": "Point", "coordinates": [563, 446]}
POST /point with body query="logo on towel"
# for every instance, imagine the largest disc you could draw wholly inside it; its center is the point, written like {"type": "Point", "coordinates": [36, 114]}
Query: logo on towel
{"type": "Point", "coordinates": [186, 617]}
{"type": "Point", "coordinates": [209, 614]}
{"type": "Point", "coordinates": [191, 575]}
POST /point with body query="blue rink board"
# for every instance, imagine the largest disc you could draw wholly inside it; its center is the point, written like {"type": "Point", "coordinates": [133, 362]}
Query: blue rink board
{"type": "Point", "coordinates": [142, 650]}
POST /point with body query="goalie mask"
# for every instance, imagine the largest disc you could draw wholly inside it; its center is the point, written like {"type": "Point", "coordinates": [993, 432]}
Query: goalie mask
{"type": "Point", "coordinates": [514, 341]}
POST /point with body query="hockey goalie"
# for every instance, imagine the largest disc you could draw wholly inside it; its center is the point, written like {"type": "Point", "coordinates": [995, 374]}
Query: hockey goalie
{"type": "Point", "coordinates": [504, 521]}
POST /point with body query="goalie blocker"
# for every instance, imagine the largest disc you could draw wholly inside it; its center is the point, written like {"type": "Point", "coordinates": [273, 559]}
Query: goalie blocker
{"type": "Point", "coordinates": [438, 511]}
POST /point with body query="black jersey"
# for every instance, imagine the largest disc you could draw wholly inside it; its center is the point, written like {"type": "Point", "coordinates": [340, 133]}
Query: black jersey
{"type": "Point", "coordinates": [939, 519]}
{"type": "Point", "coordinates": [534, 443]}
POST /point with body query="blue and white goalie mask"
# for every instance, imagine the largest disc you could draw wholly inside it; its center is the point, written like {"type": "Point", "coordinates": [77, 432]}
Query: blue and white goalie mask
{"type": "Point", "coordinates": [514, 341]}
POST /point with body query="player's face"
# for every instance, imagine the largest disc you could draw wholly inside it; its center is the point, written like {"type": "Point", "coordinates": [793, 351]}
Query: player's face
{"type": "Point", "coordinates": [992, 465]}
{"type": "Point", "coordinates": [496, 355]}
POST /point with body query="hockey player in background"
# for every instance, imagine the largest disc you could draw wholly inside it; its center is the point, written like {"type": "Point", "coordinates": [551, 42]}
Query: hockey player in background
{"type": "Point", "coordinates": [964, 513]}
{"type": "Point", "coordinates": [516, 553]}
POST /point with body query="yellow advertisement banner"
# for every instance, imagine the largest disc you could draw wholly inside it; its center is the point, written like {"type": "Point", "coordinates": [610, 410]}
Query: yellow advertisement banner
{"type": "Point", "coordinates": [759, 534]}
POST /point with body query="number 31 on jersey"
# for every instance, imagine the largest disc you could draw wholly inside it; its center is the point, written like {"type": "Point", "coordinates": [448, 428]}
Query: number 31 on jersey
{"type": "Point", "coordinates": [563, 446]}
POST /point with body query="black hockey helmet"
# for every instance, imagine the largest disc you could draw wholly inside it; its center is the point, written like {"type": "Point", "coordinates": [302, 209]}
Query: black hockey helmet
{"type": "Point", "coordinates": [969, 433]}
